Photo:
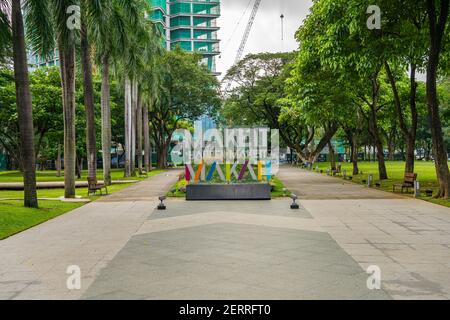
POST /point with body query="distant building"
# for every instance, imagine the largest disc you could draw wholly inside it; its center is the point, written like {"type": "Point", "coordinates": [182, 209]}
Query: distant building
{"type": "Point", "coordinates": [191, 25]}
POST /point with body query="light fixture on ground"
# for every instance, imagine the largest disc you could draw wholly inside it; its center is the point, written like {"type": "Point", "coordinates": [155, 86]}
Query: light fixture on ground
{"type": "Point", "coordinates": [162, 206]}
{"type": "Point", "coordinates": [294, 205]}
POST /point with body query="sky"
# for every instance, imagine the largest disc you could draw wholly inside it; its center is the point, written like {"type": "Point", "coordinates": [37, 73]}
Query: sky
{"type": "Point", "coordinates": [266, 32]}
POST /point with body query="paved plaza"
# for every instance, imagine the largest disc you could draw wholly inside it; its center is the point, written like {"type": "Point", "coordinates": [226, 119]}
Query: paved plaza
{"type": "Point", "coordinates": [236, 250]}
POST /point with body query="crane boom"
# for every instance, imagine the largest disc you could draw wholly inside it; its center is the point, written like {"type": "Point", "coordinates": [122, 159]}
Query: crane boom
{"type": "Point", "coordinates": [244, 40]}
{"type": "Point", "coordinates": [247, 31]}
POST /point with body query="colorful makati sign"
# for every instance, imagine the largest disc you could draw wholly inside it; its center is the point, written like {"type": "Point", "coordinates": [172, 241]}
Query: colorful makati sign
{"type": "Point", "coordinates": [231, 153]}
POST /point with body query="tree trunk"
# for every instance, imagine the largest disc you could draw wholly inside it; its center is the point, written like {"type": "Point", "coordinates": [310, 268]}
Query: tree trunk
{"type": "Point", "coordinates": [391, 150]}
{"type": "Point", "coordinates": [437, 31]}
{"type": "Point", "coordinates": [106, 121]}
{"type": "Point", "coordinates": [134, 98]}
{"type": "Point", "coordinates": [58, 161]}
{"type": "Point", "coordinates": [24, 106]}
{"type": "Point", "coordinates": [78, 168]}
{"type": "Point", "coordinates": [86, 67]}
{"type": "Point", "coordinates": [147, 147]}
{"type": "Point", "coordinates": [332, 156]}
{"type": "Point", "coordinates": [381, 162]}
{"type": "Point", "coordinates": [355, 156]}
{"type": "Point", "coordinates": [375, 131]}
{"type": "Point", "coordinates": [409, 134]}
{"type": "Point", "coordinates": [67, 59]}
{"type": "Point", "coordinates": [162, 156]}
{"type": "Point", "coordinates": [139, 128]}
{"type": "Point", "coordinates": [128, 127]}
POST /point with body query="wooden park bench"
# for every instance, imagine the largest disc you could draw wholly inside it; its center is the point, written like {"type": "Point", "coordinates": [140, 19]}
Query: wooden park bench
{"type": "Point", "coordinates": [94, 186]}
{"type": "Point", "coordinates": [408, 182]}
{"type": "Point", "coordinates": [143, 174]}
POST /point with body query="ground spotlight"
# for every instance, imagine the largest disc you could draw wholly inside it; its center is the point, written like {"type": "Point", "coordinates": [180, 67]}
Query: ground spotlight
{"type": "Point", "coordinates": [294, 205]}
{"type": "Point", "coordinates": [162, 206]}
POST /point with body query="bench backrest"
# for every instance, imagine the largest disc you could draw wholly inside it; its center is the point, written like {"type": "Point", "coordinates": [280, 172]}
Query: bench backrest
{"type": "Point", "coordinates": [92, 182]}
{"type": "Point", "coordinates": [410, 178]}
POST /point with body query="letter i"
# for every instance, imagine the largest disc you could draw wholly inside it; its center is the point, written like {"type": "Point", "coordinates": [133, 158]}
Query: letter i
{"type": "Point", "coordinates": [268, 170]}
{"type": "Point", "coordinates": [259, 170]}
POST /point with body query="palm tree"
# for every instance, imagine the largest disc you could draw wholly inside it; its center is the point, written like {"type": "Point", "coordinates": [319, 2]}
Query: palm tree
{"type": "Point", "coordinates": [92, 12]}
{"type": "Point", "coordinates": [112, 36]}
{"type": "Point", "coordinates": [24, 105]}
{"type": "Point", "coordinates": [50, 23]}
{"type": "Point", "coordinates": [136, 57]}
{"type": "Point", "coordinates": [5, 33]}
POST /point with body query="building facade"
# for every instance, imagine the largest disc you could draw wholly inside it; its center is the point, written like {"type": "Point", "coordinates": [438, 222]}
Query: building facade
{"type": "Point", "coordinates": [191, 25]}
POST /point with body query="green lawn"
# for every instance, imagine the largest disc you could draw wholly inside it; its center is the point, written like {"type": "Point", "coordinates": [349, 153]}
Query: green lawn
{"type": "Point", "coordinates": [50, 176]}
{"type": "Point", "coordinates": [15, 218]}
{"type": "Point", "coordinates": [426, 175]}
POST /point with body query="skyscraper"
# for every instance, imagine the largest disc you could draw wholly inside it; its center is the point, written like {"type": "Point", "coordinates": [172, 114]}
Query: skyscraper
{"type": "Point", "coordinates": [190, 24]}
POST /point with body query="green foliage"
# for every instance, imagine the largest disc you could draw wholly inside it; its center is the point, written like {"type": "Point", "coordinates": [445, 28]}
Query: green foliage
{"type": "Point", "coordinates": [186, 90]}
{"type": "Point", "coordinates": [260, 80]}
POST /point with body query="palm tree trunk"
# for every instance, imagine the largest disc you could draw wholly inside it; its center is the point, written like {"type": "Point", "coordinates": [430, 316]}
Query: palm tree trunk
{"type": "Point", "coordinates": [24, 106]}
{"type": "Point", "coordinates": [58, 161]}
{"type": "Point", "coordinates": [139, 133]}
{"type": "Point", "coordinates": [106, 121]}
{"type": "Point", "coordinates": [67, 60]}
{"type": "Point", "coordinates": [134, 98]}
{"type": "Point", "coordinates": [86, 66]}
{"type": "Point", "coordinates": [147, 148]}
{"type": "Point", "coordinates": [128, 128]}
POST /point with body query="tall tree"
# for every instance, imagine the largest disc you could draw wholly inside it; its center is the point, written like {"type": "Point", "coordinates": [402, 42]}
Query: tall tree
{"type": "Point", "coordinates": [438, 13]}
{"type": "Point", "coordinates": [24, 105]}
{"type": "Point", "coordinates": [58, 19]}
{"type": "Point", "coordinates": [91, 12]}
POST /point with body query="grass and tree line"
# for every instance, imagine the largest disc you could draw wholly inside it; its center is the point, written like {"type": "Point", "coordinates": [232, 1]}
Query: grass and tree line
{"type": "Point", "coordinates": [356, 85]}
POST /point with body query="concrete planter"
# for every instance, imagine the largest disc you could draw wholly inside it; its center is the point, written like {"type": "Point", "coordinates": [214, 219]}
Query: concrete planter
{"type": "Point", "coordinates": [257, 191]}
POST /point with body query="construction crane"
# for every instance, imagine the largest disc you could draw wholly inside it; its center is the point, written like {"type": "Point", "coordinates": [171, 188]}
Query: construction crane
{"type": "Point", "coordinates": [244, 40]}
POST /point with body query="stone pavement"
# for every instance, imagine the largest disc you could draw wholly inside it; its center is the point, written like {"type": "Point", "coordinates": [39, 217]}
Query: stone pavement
{"type": "Point", "coordinates": [231, 250]}
{"type": "Point", "coordinates": [236, 250]}
{"type": "Point", "coordinates": [310, 185]}
{"type": "Point", "coordinates": [33, 264]}
{"type": "Point", "coordinates": [408, 239]}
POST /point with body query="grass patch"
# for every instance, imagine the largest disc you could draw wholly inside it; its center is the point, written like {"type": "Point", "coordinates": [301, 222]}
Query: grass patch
{"type": "Point", "coordinates": [426, 175]}
{"type": "Point", "coordinates": [50, 176]}
{"type": "Point", "coordinates": [14, 218]}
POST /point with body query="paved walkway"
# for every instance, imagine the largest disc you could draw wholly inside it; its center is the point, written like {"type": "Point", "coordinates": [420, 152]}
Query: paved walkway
{"type": "Point", "coordinates": [236, 250]}
{"type": "Point", "coordinates": [309, 185]}
{"type": "Point", "coordinates": [408, 239]}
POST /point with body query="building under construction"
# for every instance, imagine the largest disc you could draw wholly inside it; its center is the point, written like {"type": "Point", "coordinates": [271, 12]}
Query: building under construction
{"type": "Point", "coordinates": [190, 24]}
